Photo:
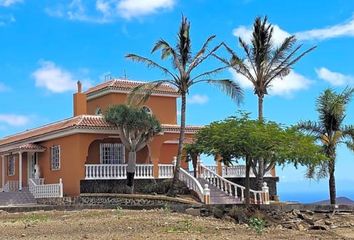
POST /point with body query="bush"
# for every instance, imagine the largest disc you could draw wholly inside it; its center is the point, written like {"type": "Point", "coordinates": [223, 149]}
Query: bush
{"type": "Point", "coordinates": [239, 214]}
{"type": "Point", "coordinates": [258, 224]}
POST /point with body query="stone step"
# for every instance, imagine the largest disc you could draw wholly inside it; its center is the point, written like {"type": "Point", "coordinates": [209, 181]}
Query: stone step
{"type": "Point", "coordinates": [16, 198]}
{"type": "Point", "coordinates": [217, 196]}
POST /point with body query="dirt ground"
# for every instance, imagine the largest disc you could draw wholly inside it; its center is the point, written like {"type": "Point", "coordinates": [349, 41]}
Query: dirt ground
{"type": "Point", "coordinates": [149, 224]}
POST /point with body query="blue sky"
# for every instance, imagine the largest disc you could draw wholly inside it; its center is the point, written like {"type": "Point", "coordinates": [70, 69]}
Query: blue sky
{"type": "Point", "coordinates": [46, 46]}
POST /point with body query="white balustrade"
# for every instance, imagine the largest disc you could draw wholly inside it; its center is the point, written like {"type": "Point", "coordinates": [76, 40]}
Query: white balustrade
{"type": "Point", "coordinates": [45, 190]}
{"type": "Point", "coordinates": [117, 171]}
{"type": "Point", "coordinates": [166, 170]}
{"type": "Point", "coordinates": [194, 185]}
{"type": "Point", "coordinates": [11, 186]}
{"type": "Point", "coordinates": [235, 171]}
{"type": "Point", "coordinates": [230, 188]}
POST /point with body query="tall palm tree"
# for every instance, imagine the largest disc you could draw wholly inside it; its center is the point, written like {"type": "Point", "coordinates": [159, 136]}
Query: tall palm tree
{"type": "Point", "coordinates": [181, 76]}
{"type": "Point", "coordinates": [264, 62]}
{"type": "Point", "coordinates": [331, 131]}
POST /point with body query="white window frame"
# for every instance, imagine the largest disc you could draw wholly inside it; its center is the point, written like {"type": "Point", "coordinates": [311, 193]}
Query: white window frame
{"type": "Point", "coordinates": [55, 157]}
{"type": "Point", "coordinates": [11, 160]}
{"type": "Point", "coordinates": [112, 153]}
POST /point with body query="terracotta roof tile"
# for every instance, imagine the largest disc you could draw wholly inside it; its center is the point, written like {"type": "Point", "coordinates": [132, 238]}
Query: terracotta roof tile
{"type": "Point", "coordinates": [79, 122]}
{"type": "Point", "coordinates": [128, 85]}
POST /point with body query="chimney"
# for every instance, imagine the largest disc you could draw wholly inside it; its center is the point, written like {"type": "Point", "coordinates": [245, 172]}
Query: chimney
{"type": "Point", "coordinates": [80, 103]}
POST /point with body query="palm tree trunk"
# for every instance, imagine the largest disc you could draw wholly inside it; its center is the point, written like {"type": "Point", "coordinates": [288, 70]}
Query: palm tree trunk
{"type": "Point", "coordinates": [259, 176]}
{"type": "Point", "coordinates": [171, 191]}
{"type": "Point", "coordinates": [247, 181]}
{"type": "Point", "coordinates": [332, 181]}
{"type": "Point", "coordinates": [260, 108]}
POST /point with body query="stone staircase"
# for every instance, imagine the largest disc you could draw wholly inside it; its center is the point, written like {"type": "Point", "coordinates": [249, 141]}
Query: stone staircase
{"type": "Point", "coordinates": [217, 196]}
{"type": "Point", "coordinates": [23, 197]}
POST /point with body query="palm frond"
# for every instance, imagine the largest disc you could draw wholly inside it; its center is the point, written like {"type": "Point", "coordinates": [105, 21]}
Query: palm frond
{"type": "Point", "coordinates": [312, 128]}
{"type": "Point", "coordinates": [202, 59]}
{"type": "Point", "coordinates": [348, 132]}
{"type": "Point", "coordinates": [208, 73]}
{"type": "Point", "coordinates": [228, 86]}
{"type": "Point", "coordinates": [150, 63]}
{"type": "Point", "coordinates": [141, 93]}
{"type": "Point", "coordinates": [201, 52]}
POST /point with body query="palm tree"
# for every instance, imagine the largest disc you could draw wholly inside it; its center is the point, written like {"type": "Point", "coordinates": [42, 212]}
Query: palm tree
{"type": "Point", "coordinates": [264, 63]}
{"type": "Point", "coordinates": [184, 63]}
{"type": "Point", "coordinates": [136, 128]}
{"type": "Point", "coordinates": [331, 131]}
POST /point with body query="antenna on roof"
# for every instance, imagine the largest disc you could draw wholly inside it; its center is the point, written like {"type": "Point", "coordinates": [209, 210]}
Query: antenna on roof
{"type": "Point", "coordinates": [125, 75]}
{"type": "Point", "coordinates": [107, 77]}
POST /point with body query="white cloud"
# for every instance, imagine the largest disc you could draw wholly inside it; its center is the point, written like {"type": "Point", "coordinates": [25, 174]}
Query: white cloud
{"type": "Point", "coordinates": [345, 29]}
{"type": "Point", "coordinates": [198, 99]}
{"type": "Point", "coordinates": [285, 87]}
{"type": "Point", "coordinates": [8, 3]}
{"type": "Point", "coordinates": [14, 120]}
{"type": "Point", "coordinates": [334, 78]}
{"type": "Point", "coordinates": [55, 78]}
{"type": "Point", "coordinates": [137, 8]}
{"type": "Point", "coordinates": [103, 11]}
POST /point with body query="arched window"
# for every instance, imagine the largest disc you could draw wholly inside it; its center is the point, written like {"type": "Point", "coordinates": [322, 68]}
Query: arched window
{"type": "Point", "coordinates": [147, 110]}
{"type": "Point", "coordinates": [98, 111]}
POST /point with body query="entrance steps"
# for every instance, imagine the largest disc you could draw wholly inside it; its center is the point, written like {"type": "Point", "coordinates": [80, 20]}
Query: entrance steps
{"type": "Point", "coordinates": [217, 196]}
{"type": "Point", "coordinates": [23, 197]}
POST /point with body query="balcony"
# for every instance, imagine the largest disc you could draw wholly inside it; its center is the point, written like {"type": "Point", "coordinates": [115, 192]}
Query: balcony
{"type": "Point", "coordinates": [119, 171]}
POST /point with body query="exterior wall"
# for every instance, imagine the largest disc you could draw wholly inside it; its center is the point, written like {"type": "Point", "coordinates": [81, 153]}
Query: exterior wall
{"type": "Point", "coordinates": [93, 156]}
{"type": "Point", "coordinates": [164, 108]}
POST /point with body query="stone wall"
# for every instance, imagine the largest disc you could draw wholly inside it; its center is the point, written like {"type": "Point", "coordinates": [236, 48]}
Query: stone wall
{"type": "Point", "coordinates": [145, 186]}
{"type": "Point", "coordinates": [271, 182]}
{"type": "Point", "coordinates": [114, 200]}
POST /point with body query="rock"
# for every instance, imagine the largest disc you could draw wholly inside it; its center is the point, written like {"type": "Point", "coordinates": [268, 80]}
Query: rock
{"type": "Point", "coordinates": [218, 212]}
{"type": "Point", "coordinates": [299, 227]}
{"type": "Point", "coordinates": [319, 227]}
{"type": "Point", "coordinates": [193, 211]}
{"type": "Point", "coordinates": [328, 223]}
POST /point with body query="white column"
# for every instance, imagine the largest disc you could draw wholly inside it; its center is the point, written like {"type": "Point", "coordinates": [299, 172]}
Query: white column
{"type": "Point", "coordinates": [20, 171]}
{"type": "Point", "coordinates": [3, 171]}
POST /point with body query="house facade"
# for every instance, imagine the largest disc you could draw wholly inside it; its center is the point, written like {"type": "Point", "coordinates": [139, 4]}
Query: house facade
{"type": "Point", "coordinates": [85, 146]}
{"type": "Point", "coordinates": [57, 159]}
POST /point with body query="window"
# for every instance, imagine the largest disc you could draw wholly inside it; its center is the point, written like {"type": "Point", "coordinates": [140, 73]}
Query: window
{"type": "Point", "coordinates": [55, 157]}
{"type": "Point", "coordinates": [11, 165]}
{"type": "Point", "coordinates": [112, 153]}
{"type": "Point", "coordinates": [147, 109]}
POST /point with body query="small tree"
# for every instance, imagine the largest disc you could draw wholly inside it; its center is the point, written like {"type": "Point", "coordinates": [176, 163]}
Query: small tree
{"type": "Point", "coordinates": [241, 138]}
{"type": "Point", "coordinates": [136, 128]}
{"type": "Point", "coordinates": [331, 132]}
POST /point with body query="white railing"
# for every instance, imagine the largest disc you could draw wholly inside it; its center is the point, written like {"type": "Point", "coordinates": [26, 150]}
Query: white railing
{"type": "Point", "coordinates": [45, 190]}
{"type": "Point", "coordinates": [38, 181]}
{"type": "Point", "coordinates": [11, 186]}
{"type": "Point", "coordinates": [166, 170]}
{"type": "Point", "coordinates": [236, 171]}
{"type": "Point", "coordinates": [193, 184]}
{"type": "Point", "coordinates": [144, 171]}
{"type": "Point", "coordinates": [230, 188]}
{"type": "Point", "coordinates": [117, 171]}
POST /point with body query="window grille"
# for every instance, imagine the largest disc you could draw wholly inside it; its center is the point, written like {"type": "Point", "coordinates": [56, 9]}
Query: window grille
{"type": "Point", "coordinates": [55, 157]}
{"type": "Point", "coordinates": [112, 153]}
{"type": "Point", "coordinates": [11, 166]}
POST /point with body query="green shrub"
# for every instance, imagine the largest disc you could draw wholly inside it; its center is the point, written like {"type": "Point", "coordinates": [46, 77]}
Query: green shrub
{"type": "Point", "coordinates": [257, 224]}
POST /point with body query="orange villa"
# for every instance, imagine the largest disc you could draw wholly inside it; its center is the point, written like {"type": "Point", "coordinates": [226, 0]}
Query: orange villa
{"type": "Point", "coordinates": [55, 160]}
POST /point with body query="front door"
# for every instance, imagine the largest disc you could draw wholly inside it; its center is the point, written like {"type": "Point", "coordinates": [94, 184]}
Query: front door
{"type": "Point", "coordinates": [32, 161]}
